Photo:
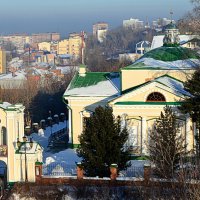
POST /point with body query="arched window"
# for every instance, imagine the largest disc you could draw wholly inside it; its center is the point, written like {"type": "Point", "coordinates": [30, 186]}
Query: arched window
{"type": "Point", "coordinates": [3, 136]}
{"type": "Point", "coordinates": [156, 96]}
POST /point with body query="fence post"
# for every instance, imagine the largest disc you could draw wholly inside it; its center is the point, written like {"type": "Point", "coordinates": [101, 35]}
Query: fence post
{"type": "Point", "coordinates": [80, 170]}
{"type": "Point", "coordinates": [113, 171]}
{"type": "Point", "coordinates": [38, 170]}
{"type": "Point", "coordinates": [147, 173]}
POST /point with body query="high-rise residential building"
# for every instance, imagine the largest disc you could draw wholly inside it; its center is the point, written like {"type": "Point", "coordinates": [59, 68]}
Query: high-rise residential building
{"type": "Point", "coordinates": [133, 23]}
{"type": "Point", "coordinates": [101, 35]}
{"type": "Point", "coordinates": [75, 41]}
{"type": "Point", "coordinates": [18, 40]}
{"type": "Point", "coordinates": [2, 61]}
{"type": "Point", "coordinates": [45, 37]}
{"type": "Point", "coordinates": [41, 37]}
{"type": "Point", "coordinates": [99, 30]}
{"type": "Point", "coordinates": [71, 46]}
{"type": "Point", "coordinates": [161, 22]}
{"type": "Point", "coordinates": [63, 47]}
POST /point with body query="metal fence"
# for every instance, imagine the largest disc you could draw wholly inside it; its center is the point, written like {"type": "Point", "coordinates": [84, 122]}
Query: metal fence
{"type": "Point", "coordinates": [63, 169]}
{"type": "Point", "coordinates": [59, 169]}
{"type": "Point", "coordinates": [132, 171]}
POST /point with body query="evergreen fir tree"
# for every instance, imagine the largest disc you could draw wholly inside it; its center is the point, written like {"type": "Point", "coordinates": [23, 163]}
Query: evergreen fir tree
{"type": "Point", "coordinates": [102, 143]}
{"type": "Point", "coordinates": [167, 145]}
{"type": "Point", "coordinates": [191, 104]}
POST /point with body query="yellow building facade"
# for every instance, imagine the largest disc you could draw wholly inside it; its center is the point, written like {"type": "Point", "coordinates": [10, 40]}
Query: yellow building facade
{"type": "Point", "coordinates": [2, 61]}
{"type": "Point", "coordinates": [138, 93]}
{"type": "Point", "coordinates": [70, 46]}
{"type": "Point", "coordinates": [18, 157]}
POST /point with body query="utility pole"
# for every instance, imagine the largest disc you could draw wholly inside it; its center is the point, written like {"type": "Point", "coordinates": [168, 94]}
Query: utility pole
{"type": "Point", "coordinates": [83, 36]}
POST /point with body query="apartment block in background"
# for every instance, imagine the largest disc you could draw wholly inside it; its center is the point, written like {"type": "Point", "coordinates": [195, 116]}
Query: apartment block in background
{"type": "Point", "coordinates": [71, 46]}
{"type": "Point", "coordinates": [2, 61]}
{"type": "Point", "coordinates": [160, 22]}
{"type": "Point", "coordinates": [99, 30]}
{"type": "Point", "coordinates": [133, 23]}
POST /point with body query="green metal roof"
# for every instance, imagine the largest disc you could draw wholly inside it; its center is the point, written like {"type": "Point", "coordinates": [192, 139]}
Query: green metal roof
{"type": "Point", "coordinates": [38, 163]}
{"type": "Point", "coordinates": [171, 54]}
{"type": "Point", "coordinates": [166, 54]}
{"type": "Point", "coordinates": [90, 78]}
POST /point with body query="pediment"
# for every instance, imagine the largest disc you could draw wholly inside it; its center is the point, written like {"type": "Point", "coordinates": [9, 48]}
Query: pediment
{"type": "Point", "coordinates": [141, 92]}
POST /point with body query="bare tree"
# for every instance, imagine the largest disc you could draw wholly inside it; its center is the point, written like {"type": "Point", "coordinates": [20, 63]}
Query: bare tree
{"type": "Point", "coordinates": [167, 145]}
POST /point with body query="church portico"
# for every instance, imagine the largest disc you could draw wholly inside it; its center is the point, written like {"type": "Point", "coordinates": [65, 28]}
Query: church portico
{"type": "Point", "coordinates": [143, 117]}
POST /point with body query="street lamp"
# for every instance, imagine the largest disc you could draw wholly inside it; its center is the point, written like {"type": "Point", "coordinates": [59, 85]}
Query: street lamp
{"type": "Point", "coordinates": [50, 120]}
{"type": "Point", "coordinates": [24, 143]}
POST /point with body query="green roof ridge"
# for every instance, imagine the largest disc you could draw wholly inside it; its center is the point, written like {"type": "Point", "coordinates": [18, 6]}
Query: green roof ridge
{"type": "Point", "coordinates": [135, 87]}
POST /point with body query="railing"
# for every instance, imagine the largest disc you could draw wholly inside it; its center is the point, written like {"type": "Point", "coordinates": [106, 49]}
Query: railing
{"type": "Point", "coordinates": [59, 169]}
{"type": "Point", "coordinates": [64, 169]}
{"type": "Point", "coordinates": [3, 150]}
{"type": "Point", "coordinates": [132, 172]}
{"type": "Point", "coordinates": [58, 136]}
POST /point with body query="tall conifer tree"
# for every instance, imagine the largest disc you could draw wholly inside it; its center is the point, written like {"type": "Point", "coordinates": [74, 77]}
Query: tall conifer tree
{"type": "Point", "coordinates": [102, 143]}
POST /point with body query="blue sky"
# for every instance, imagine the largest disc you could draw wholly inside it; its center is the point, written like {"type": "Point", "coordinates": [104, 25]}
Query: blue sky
{"type": "Point", "coordinates": [65, 16]}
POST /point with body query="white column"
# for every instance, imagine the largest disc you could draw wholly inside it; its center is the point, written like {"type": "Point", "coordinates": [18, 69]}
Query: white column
{"type": "Point", "coordinates": [143, 135]}
{"type": "Point", "coordinates": [70, 124]}
{"type": "Point", "coordinates": [188, 134]}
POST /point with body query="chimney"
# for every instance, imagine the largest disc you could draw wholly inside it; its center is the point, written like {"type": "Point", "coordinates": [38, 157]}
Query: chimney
{"type": "Point", "coordinates": [13, 74]}
{"type": "Point", "coordinates": [82, 70]}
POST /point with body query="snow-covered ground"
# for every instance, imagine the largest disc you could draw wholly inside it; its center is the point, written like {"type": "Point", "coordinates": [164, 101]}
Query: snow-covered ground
{"type": "Point", "coordinates": [68, 157]}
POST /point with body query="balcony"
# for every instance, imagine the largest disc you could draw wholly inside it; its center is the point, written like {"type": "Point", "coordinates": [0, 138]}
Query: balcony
{"type": "Point", "coordinates": [3, 150]}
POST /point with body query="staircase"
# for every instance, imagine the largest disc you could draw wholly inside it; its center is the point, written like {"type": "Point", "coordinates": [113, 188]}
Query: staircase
{"type": "Point", "coordinates": [59, 138]}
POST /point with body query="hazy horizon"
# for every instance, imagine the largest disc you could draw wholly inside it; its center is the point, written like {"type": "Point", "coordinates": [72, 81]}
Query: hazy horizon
{"type": "Point", "coordinates": [67, 16]}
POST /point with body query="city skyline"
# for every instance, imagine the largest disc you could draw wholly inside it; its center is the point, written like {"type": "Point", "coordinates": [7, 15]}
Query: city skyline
{"type": "Point", "coordinates": [73, 16]}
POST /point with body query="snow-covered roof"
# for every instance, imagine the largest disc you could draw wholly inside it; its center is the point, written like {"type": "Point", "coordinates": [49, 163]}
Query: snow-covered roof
{"type": "Point", "coordinates": [94, 84]}
{"type": "Point", "coordinates": [29, 149]}
{"type": "Point", "coordinates": [178, 64]}
{"type": "Point", "coordinates": [8, 106]}
{"type": "Point", "coordinates": [15, 80]}
{"type": "Point", "coordinates": [67, 69]}
{"type": "Point", "coordinates": [158, 40]}
{"type": "Point", "coordinates": [167, 58]}
{"type": "Point", "coordinates": [4, 105]}
{"type": "Point", "coordinates": [176, 86]}
{"type": "Point", "coordinates": [18, 75]}
{"type": "Point", "coordinates": [16, 63]}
